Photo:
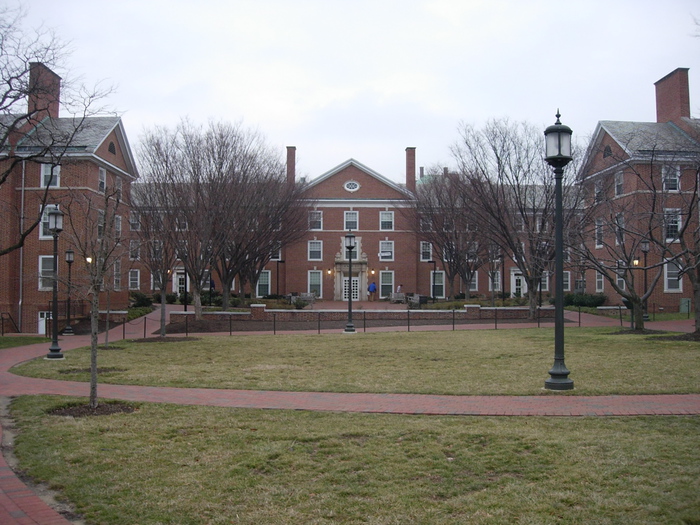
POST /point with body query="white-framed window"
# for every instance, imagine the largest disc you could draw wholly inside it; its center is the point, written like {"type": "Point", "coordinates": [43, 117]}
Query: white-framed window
{"type": "Point", "coordinates": [315, 220]}
{"type": "Point", "coordinates": [474, 283]}
{"type": "Point", "coordinates": [156, 249]}
{"type": "Point", "coordinates": [386, 220]}
{"type": "Point", "coordinates": [472, 251]}
{"type": "Point", "coordinates": [352, 220]}
{"type": "Point", "coordinates": [673, 281]}
{"type": "Point", "coordinates": [117, 228]}
{"type": "Point", "coordinates": [101, 218]}
{"type": "Point", "coordinates": [134, 279]}
{"type": "Point", "coordinates": [672, 223]}
{"type": "Point", "coordinates": [181, 224]}
{"type": "Point", "coordinates": [671, 178]}
{"type": "Point", "coordinates": [426, 251]}
{"type": "Point", "coordinates": [599, 233]}
{"type": "Point", "coordinates": [386, 250]}
{"type": "Point", "coordinates": [426, 225]}
{"type": "Point", "coordinates": [134, 221]}
{"type": "Point", "coordinates": [494, 281]}
{"type": "Point", "coordinates": [50, 176]}
{"type": "Point", "coordinates": [354, 250]}
{"type": "Point", "coordinates": [276, 253]}
{"type": "Point", "coordinates": [620, 271]}
{"type": "Point", "coordinates": [386, 284]}
{"type": "Point", "coordinates": [118, 186]}
{"type": "Point", "coordinates": [544, 282]}
{"type": "Point", "coordinates": [437, 284]}
{"type": "Point", "coordinates": [134, 250]}
{"type": "Point", "coordinates": [44, 232]}
{"type": "Point", "coordinates": [315, 282]}
{"type": "Point", "coordinates": [101, 180]}
{"type": "Point", "coordinates": [598, 189]}
{"type": "Point", "coordinates": [315, 250]}
{"type": "Point", "coordinates": [263, 286]}
{"type": "Point", "coordinates": [567, 281]}
{"type": "Point", "coordinates": [117, 275]}
{"type": "Point", "coordinates": [599, 282]}
{"type": "Point", "coordinates": [45, 273]}
{"type": "Point", "coordinates": [619, 229]}
{"type": "Point", "coordinates": [619, 183]}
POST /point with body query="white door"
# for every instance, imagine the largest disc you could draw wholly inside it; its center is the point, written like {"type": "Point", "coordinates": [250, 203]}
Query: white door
{"type": "Point", "coordinates": [41, 324]}
{"type": "Point", "coordinates": [518, 285]}
{"type": "Point", "coordinates": [355, 289]}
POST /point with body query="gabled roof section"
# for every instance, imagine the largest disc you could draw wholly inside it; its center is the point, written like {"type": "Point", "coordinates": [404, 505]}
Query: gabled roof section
{"type": "Point", "coordinates": [352, 162]}
{"type": "Point", "coordinates": [642, 140]}
{"type": "Point", "coordinates": [84, 137]}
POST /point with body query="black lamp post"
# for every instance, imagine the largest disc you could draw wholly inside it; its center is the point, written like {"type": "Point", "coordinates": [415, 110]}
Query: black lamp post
{"type": "Point", "coordinates": [644, 245]}
{"type": "Point", "coordinates": [70, 257]}
{"type": "Point", "coordinates": [279, 261]}
{"type": "Point", "coordinates": [349, 246]}
{"type": "Point", "coordinates": [55, 227]}
{"type": "Point", "coordinates": [558, 155]}
{"type": "Point", "coordinates": [432, 285]}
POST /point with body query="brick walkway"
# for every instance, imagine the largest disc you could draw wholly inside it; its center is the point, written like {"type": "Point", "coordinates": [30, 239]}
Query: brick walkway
{"type": "Point", "coordinates": [19, 505]}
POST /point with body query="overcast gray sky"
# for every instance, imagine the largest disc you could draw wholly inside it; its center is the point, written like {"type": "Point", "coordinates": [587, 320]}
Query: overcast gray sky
{"type": "Point", "coordinates": [365, 79]}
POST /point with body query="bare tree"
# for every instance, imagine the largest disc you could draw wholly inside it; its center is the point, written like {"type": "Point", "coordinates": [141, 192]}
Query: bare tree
{"type": "Point", "coordinates": [646, 194]}
{"type": "Point", "coordinates": [223, 193]}
{"type": "Point", "coordinates": [95, 231]}
{"type": "Point", "coordinates": [30, 129]}
{"type": "Point", "coordinates": [513, 191]}
{"type": "Point", "coordinates": [443, 216]}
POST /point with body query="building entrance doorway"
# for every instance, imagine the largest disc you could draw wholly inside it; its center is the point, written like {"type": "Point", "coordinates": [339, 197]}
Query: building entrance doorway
{"type": "Point", "coordinates": [355, 288]}
{"type": "Point", "coordinates": [41, 323]}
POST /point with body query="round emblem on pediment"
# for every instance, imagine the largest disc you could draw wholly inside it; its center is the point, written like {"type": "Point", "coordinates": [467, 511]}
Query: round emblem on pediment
{"type": "Point", "coordinates": [351, 186]}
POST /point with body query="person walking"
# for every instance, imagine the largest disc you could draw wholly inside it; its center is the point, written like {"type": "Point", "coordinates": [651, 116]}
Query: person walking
{"type": "Point", "coordinates": [372, 289]}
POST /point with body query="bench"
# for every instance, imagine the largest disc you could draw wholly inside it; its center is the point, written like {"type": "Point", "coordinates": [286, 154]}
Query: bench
{"type": "Point", "coordinates": [397, 297]}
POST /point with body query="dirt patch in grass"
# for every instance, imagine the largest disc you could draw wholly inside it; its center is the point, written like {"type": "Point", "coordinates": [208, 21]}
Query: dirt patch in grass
{"type": "Point", "coordinates": [87, 370]}
{"type": "Point", "coordinates": [103, 409]}
{"type": "Point", "coordinates": [680, 337]}
{"type": "Point", "coordinates": [165, 339]}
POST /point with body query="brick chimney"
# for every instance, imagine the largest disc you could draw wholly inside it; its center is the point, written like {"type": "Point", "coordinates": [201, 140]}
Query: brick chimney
{"type": "Point", "coordinates": [673, 96]}
{"type": "Point", "coordinates": [291, 164]}
{"type": "Point", "coordinates": [411, 169]}
{"type": "Point", "coordinates": [44, 92]}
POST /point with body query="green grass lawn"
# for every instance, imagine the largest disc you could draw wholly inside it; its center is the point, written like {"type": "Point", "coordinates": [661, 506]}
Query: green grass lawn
{"type": "Point", "coordinates": [180, 465]}
{"type": "Point", "coordinates": [602, 361]}
{"type": "Point", "coordinates": [11, 341]}
{"type": "Point", "coordinates": [198, 465]}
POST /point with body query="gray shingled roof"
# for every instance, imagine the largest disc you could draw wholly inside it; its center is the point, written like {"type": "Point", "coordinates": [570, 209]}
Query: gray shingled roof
{"type": "Point", "coordinates": [91, 132]}
{"type": "Point", "coordinates": [643, 138]}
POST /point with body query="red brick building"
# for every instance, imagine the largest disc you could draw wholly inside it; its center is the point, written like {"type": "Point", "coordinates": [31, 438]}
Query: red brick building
{"type": "Point", "coordinates": [86, 157]}
{"type": "Point", "coordinates": [641, 180]}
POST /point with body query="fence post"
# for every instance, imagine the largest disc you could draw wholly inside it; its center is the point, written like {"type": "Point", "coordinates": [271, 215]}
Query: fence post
{"type": "Point", "coordinates": [187, 329]}
{"type": "Point", "coordinates": [538, 317]}
{"type": "Point", "coordinates": [230, 318]}
{"type": "Point", "coordinates": [144, 327]}
{"type": "Point", "coordinates": [495, 319]}
{"type": "Point", "coordinates": [319, 322]}
{"type": "Point", "coordinates": [408, 319]}
{"type": "Point", "coordinates": [453, 319]}
{"type": "Point", "coordinates": [364, 320]}
{"type": "Point", "coordinates": [274, 323]}
{"type": "Point", "coordinates": [619, 309]}
{"type": "Point", "coordinates": [124, 329]}
{"type": "Point", "coordinates": [579, 317]}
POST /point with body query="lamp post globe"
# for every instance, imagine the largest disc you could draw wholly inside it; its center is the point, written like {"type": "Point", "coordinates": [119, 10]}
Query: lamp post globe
{"type": "Point", "coordinates": [70, 257]}
{"type": "Point", "coordinates": [55, 227]}
{"type": "Point", "coordinates": [558, 155]}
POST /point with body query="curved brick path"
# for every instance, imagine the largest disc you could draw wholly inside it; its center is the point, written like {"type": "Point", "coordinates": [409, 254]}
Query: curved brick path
{"type": "Point", "coordinates": [19, 505]}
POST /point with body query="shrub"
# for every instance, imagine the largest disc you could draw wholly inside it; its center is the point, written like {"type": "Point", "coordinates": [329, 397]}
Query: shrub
{"type": "Point", "coordinates": [585, 299]}
{"type": "Point", "coordinates": [136, 312]}
{"type": "Point", "coordinates": [184, 295]}
{"type": "Point", "coordinates": [140, 299]}
{"type": "Point", "coordinates": [170, 298]}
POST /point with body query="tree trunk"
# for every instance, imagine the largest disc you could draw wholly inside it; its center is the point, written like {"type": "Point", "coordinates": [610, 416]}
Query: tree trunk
{"type": "Point", "coordinates": [162, 311]}
{"type": "Point", "coordinates": [197, 300]}
{"type": "Point", "coordinates": [638, 314]}
{"type": "Point", "coordinates": [94, 329]}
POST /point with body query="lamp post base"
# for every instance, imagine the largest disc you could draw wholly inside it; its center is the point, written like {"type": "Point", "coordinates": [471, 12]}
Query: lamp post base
{"type": "Point", "coordinates": [349, 329]}
{"type": "Point", "coordinates": [68, 330]}
{"type": "Point", "coordinates": [54, 353]}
